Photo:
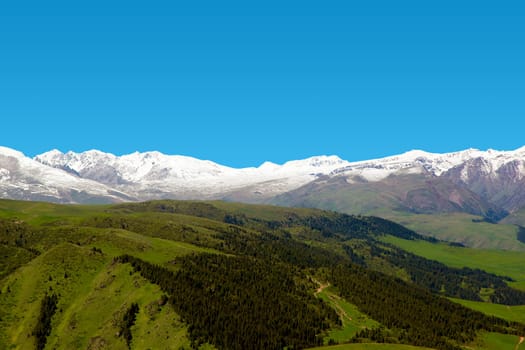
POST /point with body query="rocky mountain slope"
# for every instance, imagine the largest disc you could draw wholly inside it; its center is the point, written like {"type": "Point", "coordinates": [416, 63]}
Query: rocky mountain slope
{"type": "Point", "coordinates": [155, 175]}
{"type": "Point", "coordinates": [487, 183]}
{"type": "Point", "coordinates": [24, 178]}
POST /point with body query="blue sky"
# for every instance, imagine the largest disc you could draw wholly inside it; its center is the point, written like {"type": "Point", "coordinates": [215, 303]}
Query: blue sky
{"type": "Point", "coordinates": [244, 82]}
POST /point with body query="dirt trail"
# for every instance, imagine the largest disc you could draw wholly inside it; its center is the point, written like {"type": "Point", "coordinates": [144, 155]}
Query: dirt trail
{"type": "Point", "coordinates": [340, 311]}
{"type": "Point", "coordinates": [321, 288]}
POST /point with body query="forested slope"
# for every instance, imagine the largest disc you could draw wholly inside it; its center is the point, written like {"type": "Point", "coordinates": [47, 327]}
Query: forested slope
{"type": "Point", "coordinates": [183, 274]}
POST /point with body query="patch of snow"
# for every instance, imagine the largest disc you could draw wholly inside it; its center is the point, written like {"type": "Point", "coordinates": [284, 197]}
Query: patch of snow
{"type": "Point", "coordinates": [4, 175]}
{"type": "Point", "coordinates": [9, 152]}
{"type": "Point", "coordinates": [417, 161]}
{"type": "Point", "coordinates": [152, 173]}
{"type": "Point", "coordinates": [172, 173]}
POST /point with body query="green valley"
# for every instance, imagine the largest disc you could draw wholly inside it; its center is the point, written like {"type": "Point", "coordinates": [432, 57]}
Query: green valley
{"type": "Point", "coordinates": [193, 274]}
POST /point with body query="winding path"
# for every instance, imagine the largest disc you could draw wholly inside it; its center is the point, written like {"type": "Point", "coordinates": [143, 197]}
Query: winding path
{"type": "Point", "coordinates": [340, 311]}
{"type": "Point", "coordinates": [321, 288]}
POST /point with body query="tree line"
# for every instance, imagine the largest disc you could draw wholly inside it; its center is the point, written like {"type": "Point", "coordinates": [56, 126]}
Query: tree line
{"type": "Point", "coordinates": [43, 325]}
{"type": "Point", "coordinates": [464, 283]}
{"type": "Point", "coordinates": [241, 302]}
{"type": "Point", "coordinates": [421, 318]}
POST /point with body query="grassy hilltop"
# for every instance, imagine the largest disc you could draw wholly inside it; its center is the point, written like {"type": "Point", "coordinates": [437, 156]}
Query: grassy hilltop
{"type": "Point", "coordinates": [183, 274]}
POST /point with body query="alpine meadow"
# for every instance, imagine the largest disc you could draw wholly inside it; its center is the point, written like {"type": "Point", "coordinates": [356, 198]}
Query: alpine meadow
{"type": "Point", "coordinates": [186, 274]}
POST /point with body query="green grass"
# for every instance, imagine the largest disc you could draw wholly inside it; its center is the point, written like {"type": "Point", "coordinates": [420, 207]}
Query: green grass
{"type": "Point", "coordinates": [516, 218]}
{"type": "Point", "coordinates": [12, 258]}
{"type": "Point", "coordinates": [506, 263]}
{"type": "Point", "coordinates": [486, 341]}
{"type": "Point", "coordinates": [93, 291]}
{"type": "Point", "coordinates": [353, 320]}
{"type": "Point", "coordinates": [459, 227]}
{"type": "Point", "coordinates": [23, 290]}
{"type": "Point", "coordinates": [511, 313]}
{"type": "Point", "coordinates": [152, 249]}
{"type": "Point", "coordinates": [265, 212]}
{"type": "Point", "coordinates": [93, 316]}
{"type": "Point", "coordinates": [497, 341]}
{"type": "Point", "coordinates": [38, 213]}
{"type": "Point", "coordinates": [367, 346]}
{"type": "Point", "coordinates": [362, 198]}
{"type": "Point", "coordinates": [382, 200]}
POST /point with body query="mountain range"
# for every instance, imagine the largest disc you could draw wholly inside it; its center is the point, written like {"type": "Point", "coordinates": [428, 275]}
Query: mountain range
{"type": "Point", "coordinates": [223, 275]}
{"type": "Point", "coordinates": [490, 184]}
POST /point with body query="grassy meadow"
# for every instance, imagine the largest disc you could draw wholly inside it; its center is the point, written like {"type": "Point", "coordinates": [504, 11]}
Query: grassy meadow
{"type": "Point", "coordinates": [463, 228]}
{"type": "Point", "coordinates": [505, 263]}
{"type": "Point", "coordinates": [69, 250]}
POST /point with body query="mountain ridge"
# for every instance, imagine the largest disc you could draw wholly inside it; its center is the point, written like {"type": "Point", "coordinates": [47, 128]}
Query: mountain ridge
{"type": "Point", "coordinates": [182, 175]}
{"type": "Point", "coordinates": [417, 161]}
{"type": "Point", "coordinates": [487, 183]}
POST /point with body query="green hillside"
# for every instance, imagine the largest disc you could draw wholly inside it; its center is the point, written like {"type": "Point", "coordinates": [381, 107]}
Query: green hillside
{"type": "Point", "coordinates": [418, 203]}
{"type": "Point", "coordinates": [511, 313]}
{"type": "Point", "coordinates": [467, 229]}
{"type": "Point", "coordinates": [93, 292]}
{"type": "Point", "coordinates": [352, 320]}
{"type": "Point", "coordinates": [494, 261]}
{"type": "Point", "coordinates": [516, 218]}
{"type": "Point", "coordinates": [490, 341]}
{"type": "Point", "coordinates": [186, 274]}
{"type": "Point", "coordinates": [370, 347]}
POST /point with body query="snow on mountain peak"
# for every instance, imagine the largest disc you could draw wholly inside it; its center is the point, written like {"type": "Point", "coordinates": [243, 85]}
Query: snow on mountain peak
{"type": "Point", "coordinates": [268, 166]}
{"type": "Point", "coordinates": [53, 153]}
{"type": "Point", "coordinates": [137, 172]}
{"type": "Point", "coordinates": [415, 153]}
{"type": "Point", "coordinates": [417, 161]}
{"type": "Point", "coordinates": [317, 162]}
{"type": "Point", "coordinates": [519, 151]}
{"type": "Point", "coordinates": [9, 152]}
{"type": "Point", "coordinates": [321, 161]}
{"type": "Point", "coordinates": [76, 162]}
{"type": "Point", "coordinates": [26, 178]}
{"type": "Point", "coordinates": [51, 157]}
{"type": "Point", "coordinates": [140, 173]}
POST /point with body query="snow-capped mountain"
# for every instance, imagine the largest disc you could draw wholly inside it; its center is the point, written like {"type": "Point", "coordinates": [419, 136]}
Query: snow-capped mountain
{"type": "Point", "coordinates": [417, 161]}
{"type": "Point", "coordinates": [24, 178]}
{"type": "Point", "coordinates": [497, 176]}
{"type": "Point", "coordinates": [156, 175]}
{"type": "Point", "coordinates": [489, 183]}
{"type": "Point", "coordinates": [155, 166]}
